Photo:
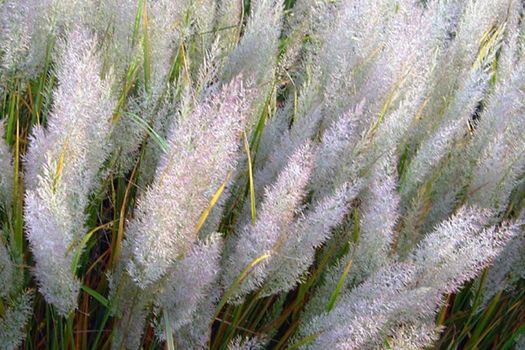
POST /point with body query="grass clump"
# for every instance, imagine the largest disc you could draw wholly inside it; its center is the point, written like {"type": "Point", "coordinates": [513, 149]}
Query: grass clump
{"type": "Point", "coordinates": [207, 174]}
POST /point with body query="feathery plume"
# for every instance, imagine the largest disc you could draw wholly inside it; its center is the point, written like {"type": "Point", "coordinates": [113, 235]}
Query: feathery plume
{"type": "Point", "coordinates": [336, 142]}
{"type": "Point", "coordinates": [13, 321]}
{"type": "Point", "coordinates": [255, 54]}
{"type": "Point", "coordinates": [509, 265]}
{"type": "Point", "coordinates": [378, 218]}
{"type": "Point", "coordinates": [202, 152]}
{"type": "Point", "coordinates": [278, 210]}
{"type": "Point", "coordinates": [63, 165]}
{"type": "Point", "coordinates": [458, 249]}
{"type": "Point", "coordinates": [307, 233]}
{"type": "Point", "coordinates": [408, 292]}
{"type": "Point", "coordinates": [229, 14]}
{"type": "Point", "coordinates": [189, 282]}
{"type": "Point", "coordinates": [454, 125]}
{"type": "Point", "coordinates": [28, 29]}
{"type": "Point", "coordinates": [371, 306]}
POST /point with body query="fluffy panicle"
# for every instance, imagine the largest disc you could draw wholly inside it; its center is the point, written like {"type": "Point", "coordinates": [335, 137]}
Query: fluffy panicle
{"type": "Point", "coordinates": [167, 28]}
{"type": "Point", "coordinates": [131, 311]}
{"type": "Point", "coordinates": [337, 141]}
{"type": "Point", "coordinates": [454, 125]}
{"type": "Point", "coordinates": [372, 306]}
{"type": "Point", "coordinates": [510, 51]}
{"type": "Point", "coordinates": [28, 29]}
{"type": "Point", "coordinates": [498, 171]}
{"type": "Point", "coordinates": [378, 218]}
{"type": "Point", "coordinates": [196, 334]}
{"type": "Point", "coordinates": [408, 292]}
{"type": "Point", "coordinates": [310, 19]}
{"type": "Point", "coordinates": [274, 130]}
{"type": "Point", "coordinates": [13, 321]}
{"type": "Point", "coordinates": [63, 162]}
{"type": "Point", "coordinates": [500, 109]}
{"type": "Point", "coordinates": [424, 43]}
{"type": "Point", "coordinates": [498, 147]}
{"type": "Point", "coordinates": [388, 71]}
{"type": "Point", "coordinates": [128, 135]}
{"type": "Point", "coordinates": [309, 232]}
{"type": "Point", "coordinates": [474, 159]}
{"type": "Point", "coordinates": [229, 14]}
{"type": "Point", "coordinates": [266, 236]}
{"type": "Point", "coordinates": [190, 281]}
{"type": "Point", "coordinates": [355, 34]}
{"type": "Point", "coordinates": [458, 249]}
{"type": "Point", "coordinates": [280, 139]}
{"type": "Point", "coordinates": [16, 303]}
{"type": "Point", "coordinates": [255, 55]}
{"type": "Point", "coordinates": [38, 140]}
{"type": "Point", "coordinates": [477, 19]}
{"type": "Point", "coordinates": [303, 130]}
{"type": "Point", "coordinates": [202, 153]}
{"type": "Point", "coordinates": [120, 16]}
{"type": "Point", "coordinates": [509, 266]}
{"type": "Point", "coordinates": [469, 48]}
{"type": "Point", "coordinates": [16, 23]}
{"type": "Point", "coordinates": [384, 59]}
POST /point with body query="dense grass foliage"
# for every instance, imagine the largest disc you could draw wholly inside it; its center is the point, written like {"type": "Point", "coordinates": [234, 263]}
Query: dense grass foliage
{"type": "Point", "coordinates": [228, 174]}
